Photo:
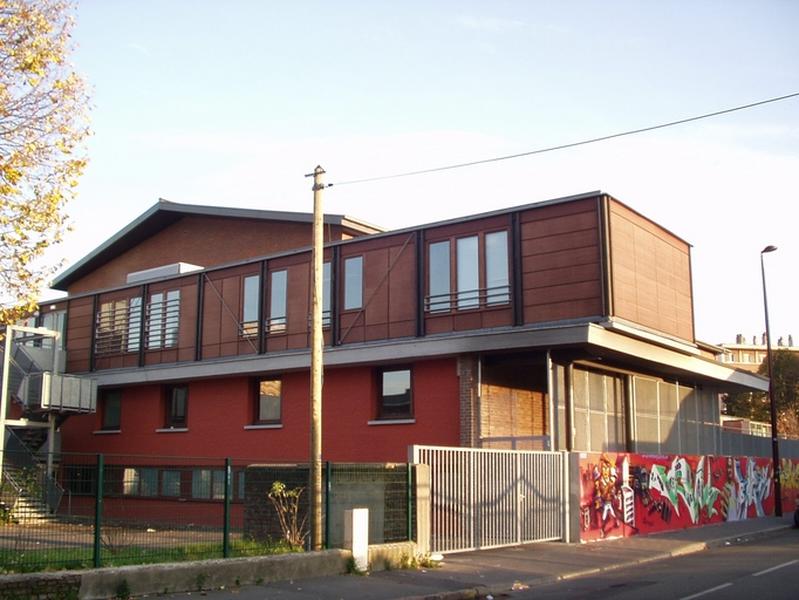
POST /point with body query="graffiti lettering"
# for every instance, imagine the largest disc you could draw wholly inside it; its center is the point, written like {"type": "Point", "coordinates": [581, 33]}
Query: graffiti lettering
{"type": "Point", "coordinates": [678, 482]}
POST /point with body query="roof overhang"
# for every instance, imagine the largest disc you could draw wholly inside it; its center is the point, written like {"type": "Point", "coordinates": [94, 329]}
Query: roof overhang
{"type": "Point", "coordinates": [589, 339]}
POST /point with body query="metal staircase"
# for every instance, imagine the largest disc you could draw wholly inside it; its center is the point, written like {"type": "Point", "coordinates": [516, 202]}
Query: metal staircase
{"type": "Point", "coordinates": [35, 398]}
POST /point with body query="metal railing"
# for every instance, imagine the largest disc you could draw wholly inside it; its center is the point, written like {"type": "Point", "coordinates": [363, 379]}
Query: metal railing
{"type": "Point", "coordinates": [30, 473]}
{"type": "Point", "coordinates": [133, 509]}
{"type": "Point", "coordinates": [467, 299]}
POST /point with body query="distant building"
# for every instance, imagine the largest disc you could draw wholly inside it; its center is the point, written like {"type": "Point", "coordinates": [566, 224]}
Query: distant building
{"type": "Point", "coordinates": [750, 356]}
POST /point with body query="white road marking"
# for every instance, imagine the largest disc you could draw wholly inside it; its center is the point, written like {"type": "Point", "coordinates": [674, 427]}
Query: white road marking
{"type": "Point", "coordinates": [775, 568]}
{"type": "Point", "coordinates": [710, 591]}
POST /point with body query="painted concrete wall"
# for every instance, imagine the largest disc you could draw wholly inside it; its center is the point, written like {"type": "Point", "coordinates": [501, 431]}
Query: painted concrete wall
{"type": "Point", "coordinates": [220, 409]}
{"type": "Point", "coordinates": [623, 495]}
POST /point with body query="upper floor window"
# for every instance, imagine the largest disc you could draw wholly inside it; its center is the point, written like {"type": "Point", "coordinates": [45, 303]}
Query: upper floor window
{"type": "Point", "coordinates": [249, 305]}
{"type": "Point", "coordinates": [395, 400]}
{"type": "Point", "coordinates": [277, 302]}
{"type": "Point", "coordinates": [353, 283]}
{"type": "Point", "coordinates": [55, 320]}
{"type": "Point", "coordinates": [326, 294]}
{"type": "Point", "coordinates": [118, 326]}
{"type": "Point", "coordinates": [177, 406]}
{"type": "Point", "coordinates": [163, 318]}
{"type": "Point", "coordinates": [481, 274]}
{"type": "Point", "coordinates": [438, 277]}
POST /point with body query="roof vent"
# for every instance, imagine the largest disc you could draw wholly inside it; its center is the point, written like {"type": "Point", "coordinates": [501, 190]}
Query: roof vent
{"type": "Point", "coordinates": [160, 272]}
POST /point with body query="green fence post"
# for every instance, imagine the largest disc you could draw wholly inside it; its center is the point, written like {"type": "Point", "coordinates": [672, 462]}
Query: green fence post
{"type": "Point", "coordinates": [228, 494]}
{"type": "Point", "coordinates": [327, 504]}
{"type": "Point", "coordinates": [98, 512]}
{"type": "Point", "coordinates": [409, 499]}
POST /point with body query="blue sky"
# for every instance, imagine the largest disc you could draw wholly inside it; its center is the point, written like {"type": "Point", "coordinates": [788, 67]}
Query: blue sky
{"type": "Point", "coordinates": [231, 103]}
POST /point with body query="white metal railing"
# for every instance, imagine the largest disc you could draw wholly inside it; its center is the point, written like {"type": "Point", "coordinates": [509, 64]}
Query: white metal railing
{"type": "Point", "coordinates": [482, 498]}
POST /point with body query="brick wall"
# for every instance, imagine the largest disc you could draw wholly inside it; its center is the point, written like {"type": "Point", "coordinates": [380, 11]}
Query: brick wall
{"type": "Point", "coordinates": [469, 400]}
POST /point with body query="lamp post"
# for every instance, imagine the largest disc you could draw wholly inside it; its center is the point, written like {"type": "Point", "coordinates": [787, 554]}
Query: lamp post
{"type": "Point", "coordinates": [775, 446]}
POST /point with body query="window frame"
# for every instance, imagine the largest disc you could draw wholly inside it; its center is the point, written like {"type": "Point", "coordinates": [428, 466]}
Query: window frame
{"type": "Point", "coordinates": [277, 324]}
{"type": "Point", "coordinates": [170, 421]}
{"type": "Point", "coordinates": [162, 321]}
{"type": "Point", "coordinates": [351, 290]}
{"type": "Point", "coordinates": [107, 395]}
{"type": "Point", "coordinates": [256, 412]}
{"type": "Point", "coordinates": [461, 299]}
{"type": "Point", "coordinates": [249, 326]}
{"type": "Point", "coordinates": [381, 413]}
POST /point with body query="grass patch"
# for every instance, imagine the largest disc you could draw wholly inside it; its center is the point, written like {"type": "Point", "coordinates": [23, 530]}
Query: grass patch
{"type": "Point", "coordinates": [31, 561]}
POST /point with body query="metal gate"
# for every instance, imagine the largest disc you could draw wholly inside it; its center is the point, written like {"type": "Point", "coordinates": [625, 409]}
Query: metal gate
{"type": "Point", "coordinates": [490, 498]}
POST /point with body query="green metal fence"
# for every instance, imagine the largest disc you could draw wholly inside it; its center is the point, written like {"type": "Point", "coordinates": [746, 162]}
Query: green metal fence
{"type": "Point", "coordinates": [126, 509]}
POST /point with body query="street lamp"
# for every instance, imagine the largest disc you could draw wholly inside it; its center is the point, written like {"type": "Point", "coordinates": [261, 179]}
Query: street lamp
{"type": "Point", "coordinates": [775, 446]}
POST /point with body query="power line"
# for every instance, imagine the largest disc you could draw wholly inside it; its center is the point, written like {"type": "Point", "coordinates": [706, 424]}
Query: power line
{"type": "Point", "coordinates": [569, 145]}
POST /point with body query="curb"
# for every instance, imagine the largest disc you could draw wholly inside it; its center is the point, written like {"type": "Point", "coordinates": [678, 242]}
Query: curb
{"type": "Point", "coordinates": [481, 592]}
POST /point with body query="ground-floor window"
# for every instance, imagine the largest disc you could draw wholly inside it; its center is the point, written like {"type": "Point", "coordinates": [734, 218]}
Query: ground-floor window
{"type": "Point", "coordinates": [599, 411]}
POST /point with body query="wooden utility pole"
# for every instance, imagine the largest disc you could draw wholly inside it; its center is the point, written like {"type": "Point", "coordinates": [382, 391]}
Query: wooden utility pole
{"type": "Point", "coordinates": [315, 483]}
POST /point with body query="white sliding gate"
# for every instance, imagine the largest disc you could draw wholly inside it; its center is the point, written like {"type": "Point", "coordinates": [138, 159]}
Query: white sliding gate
{"type": "Point", "coordinates": [490, 498]}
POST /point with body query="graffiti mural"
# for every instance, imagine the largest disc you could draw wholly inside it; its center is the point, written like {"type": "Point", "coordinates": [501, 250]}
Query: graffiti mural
{"type": "Point", "coordinates": [629, 494]}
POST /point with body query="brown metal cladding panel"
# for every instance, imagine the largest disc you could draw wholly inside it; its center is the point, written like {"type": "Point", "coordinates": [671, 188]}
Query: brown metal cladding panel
{"type": "Point", "coordinates": [187, 329]}
{"type": "Point", "coordinates": [562, 293]}
{"type": "Point", "coordinates": [558, 210]}
{"type": "Point", "coordinates": [560, 225]}
{"type": "Point", "coordinates": [247, 346]}
{"type": "Point", "coordinates": [466, 228]}
{"type": "Point", "coordinates": [397, 329]}
{"type": "Point", "coordinates": [573, 257]}
{"type": "Point", "coordinates": [467, 320]}
{"type": "Point", "coordinates": [438, 324]}
{"type": "Point", "coordinates": [276, 343]}
{"type": "Point", "coordinates": [79, 334]}
{"type": "Point", "coordinates": [377, 332]}
{"type": "Point", "coordinates": [212, 319]}
{"type": "Point", "coordinates": [351, 326]}
{"type": "Point", "coordinates": [375, 287]}
{"type": "Point", "coordinates": [497, 317]}
{"type": "Point", "coordinates": [572, 309]}
{"type": "Point", "coordinates": [297, 341]}
{"type": "Point", "coordinates": [651, 274]}
{"type": "Point", "coordinates": [367, 245]}
{"type": "Point", "coordinates": [561, 276]}
{"type": "Point", "coordinates": [298, 301]}
{"type": "Point", "coordinates": [402, 285]}
{"type": "Point", "coordinates": [532, 249]}
{"type": "Point", "coordinates": [230, 290]}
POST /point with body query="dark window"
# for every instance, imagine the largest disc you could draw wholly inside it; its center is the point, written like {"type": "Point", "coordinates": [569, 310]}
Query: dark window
{"type": "Point", "coordinates": [267, 401]}
{"type": "Point", "coordinates": [170, 483]}
{"type": "Point", "coordinates": [177, 404]}
{"type": "Point", "coordinates": [396, 401]}
{"type": "Point", "coordinates": [111, 408]}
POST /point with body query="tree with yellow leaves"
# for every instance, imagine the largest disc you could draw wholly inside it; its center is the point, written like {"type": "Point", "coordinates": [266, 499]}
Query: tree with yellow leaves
{"type": "Point", "coordinates": [43, 125]}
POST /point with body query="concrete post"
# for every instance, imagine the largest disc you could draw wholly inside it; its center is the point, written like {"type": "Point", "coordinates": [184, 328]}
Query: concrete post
{"type": "Point", "coordinates": [356, 536]}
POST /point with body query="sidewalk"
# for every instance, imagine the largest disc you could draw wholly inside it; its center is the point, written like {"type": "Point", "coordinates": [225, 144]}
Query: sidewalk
{"type": "Point", "coordinates": [475, 574]}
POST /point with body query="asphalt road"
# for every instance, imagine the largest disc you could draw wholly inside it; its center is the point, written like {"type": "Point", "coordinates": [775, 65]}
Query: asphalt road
{"type": "Point", "coordinates": [766, 568]}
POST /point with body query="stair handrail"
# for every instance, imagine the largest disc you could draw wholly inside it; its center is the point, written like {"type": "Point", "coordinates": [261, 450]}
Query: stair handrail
{"type": "Point", "coordinates": [50, 490]}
